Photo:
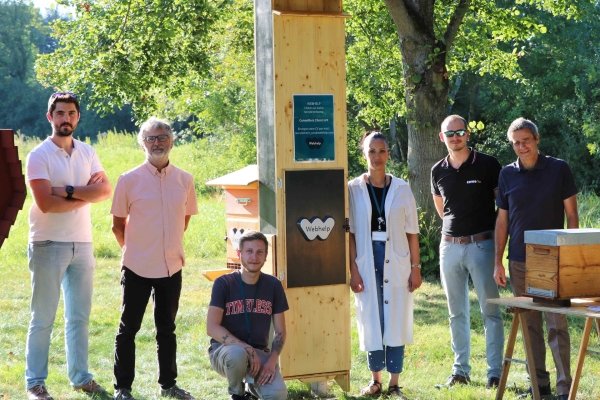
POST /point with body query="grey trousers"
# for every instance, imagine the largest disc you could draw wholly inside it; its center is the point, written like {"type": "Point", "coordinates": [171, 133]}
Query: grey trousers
{"type": "Point", "coordinates": [558, 336]}
{"type": "Point", "coordinates": [232, 363]}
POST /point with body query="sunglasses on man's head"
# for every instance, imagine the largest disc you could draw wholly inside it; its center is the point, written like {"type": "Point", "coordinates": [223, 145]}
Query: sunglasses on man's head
{"type": "Point", "coordinates": [460, 133]}
{"type": "Point", "coordinates": [59, 94]}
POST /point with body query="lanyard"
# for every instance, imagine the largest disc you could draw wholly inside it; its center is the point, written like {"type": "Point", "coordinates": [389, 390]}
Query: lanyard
{"type": "Point", "coordinates": [381, 219]}
{"type": "Point", "coordinates": [253, 305]}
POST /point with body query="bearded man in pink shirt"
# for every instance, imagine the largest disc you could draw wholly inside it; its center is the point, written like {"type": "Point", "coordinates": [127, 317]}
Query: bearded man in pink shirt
{"type": "Point", "coordinates": [151, 208]}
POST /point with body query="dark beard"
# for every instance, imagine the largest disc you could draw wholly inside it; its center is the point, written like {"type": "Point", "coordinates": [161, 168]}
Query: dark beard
{"type": "Point", "coordinates": [59, 132]}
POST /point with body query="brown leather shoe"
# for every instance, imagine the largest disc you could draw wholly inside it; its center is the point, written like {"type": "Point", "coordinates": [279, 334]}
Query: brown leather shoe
{"type": "Point", "coordinates": [92, 387]}
{"type": "Point", "coordinates": [455, 379]}
{"type": "Point", "coordinates": [39, 392]}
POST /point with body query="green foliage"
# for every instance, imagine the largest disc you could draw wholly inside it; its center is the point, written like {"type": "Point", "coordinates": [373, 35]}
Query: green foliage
{"type": "Point", "coordinates": [24, 34]}
{"type": "Point", "coordinates": [429, 244]}
{"type": "Point", "coordinates": [125, 52]}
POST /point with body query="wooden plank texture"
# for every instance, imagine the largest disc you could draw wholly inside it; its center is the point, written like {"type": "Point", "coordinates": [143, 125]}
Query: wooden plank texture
{"type": "Point", "coordinates": [318, 322]}
{"type": "Point", "coordinates": [578, 306]}
{"type": "Point", "coordinates": [235, 202]}
{"type": "Point", "coordinates": [579, 271]}
{"type": "Point", "coordinates": [542, 267]}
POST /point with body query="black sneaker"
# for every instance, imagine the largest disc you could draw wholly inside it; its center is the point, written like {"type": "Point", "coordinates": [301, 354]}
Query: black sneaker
{"type": "Point", "coordinates": [544, 391]}
{"type": "Point", "coordinates": [492, 383]}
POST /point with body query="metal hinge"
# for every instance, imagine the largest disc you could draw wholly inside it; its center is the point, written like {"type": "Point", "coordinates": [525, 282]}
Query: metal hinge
{"type": "Point", "coordinates": [281, 275]}
{"type": "Point", "coordinates": [346, 226]}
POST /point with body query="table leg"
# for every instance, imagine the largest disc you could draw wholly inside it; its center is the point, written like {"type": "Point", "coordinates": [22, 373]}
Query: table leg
{"type": "Point", "coordinates": [530, 363]}
{"type": "Point", "coordinates": [510, 346]}
{"type": "Point", "coordinates": [580, 358]}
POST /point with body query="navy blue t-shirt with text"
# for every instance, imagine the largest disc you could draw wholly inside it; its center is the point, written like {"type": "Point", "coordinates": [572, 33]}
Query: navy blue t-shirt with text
{"type": "Point", "coordinates": [227, 295]}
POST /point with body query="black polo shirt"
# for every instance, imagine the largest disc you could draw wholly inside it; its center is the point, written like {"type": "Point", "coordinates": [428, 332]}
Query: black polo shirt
{"type": "Point", "coordinates": [534, 199]}
{"type": "Point", "coordinates": [468, 193]}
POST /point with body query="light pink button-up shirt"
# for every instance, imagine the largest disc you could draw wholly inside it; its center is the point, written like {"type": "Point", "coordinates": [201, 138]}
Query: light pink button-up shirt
{"type": "Point", "coordinates": [155, 205]}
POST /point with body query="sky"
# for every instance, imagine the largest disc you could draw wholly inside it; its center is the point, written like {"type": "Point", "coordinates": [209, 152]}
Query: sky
{"type": "Point", "coordinates": [43, 4]}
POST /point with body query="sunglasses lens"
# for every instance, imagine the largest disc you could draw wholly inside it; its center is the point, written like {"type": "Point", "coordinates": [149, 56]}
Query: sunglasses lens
{"type": "Point", "coordinates": [458, 133]}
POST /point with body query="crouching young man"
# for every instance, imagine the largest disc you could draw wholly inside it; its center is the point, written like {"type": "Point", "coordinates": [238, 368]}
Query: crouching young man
{"type": "Point", "coordinates": [239, 346]}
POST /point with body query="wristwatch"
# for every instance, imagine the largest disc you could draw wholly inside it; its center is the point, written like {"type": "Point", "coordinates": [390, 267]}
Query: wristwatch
{"type": "Point", "coordinates": [415, 266]}
{"type": "Point", "coordinates": [70, 190]}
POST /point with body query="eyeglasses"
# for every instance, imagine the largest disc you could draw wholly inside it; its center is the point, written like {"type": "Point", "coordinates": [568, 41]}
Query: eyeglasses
{"type": "Point", "coordinates": [161, 138]}
{"type": "Point", "coordinates": [58, 94]}
{"type": "Point", "coordinates": [459, 133]}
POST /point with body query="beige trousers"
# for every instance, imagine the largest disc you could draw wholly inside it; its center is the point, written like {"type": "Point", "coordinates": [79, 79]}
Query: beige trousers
{"type": "Point", "coordinates": [558, 336]}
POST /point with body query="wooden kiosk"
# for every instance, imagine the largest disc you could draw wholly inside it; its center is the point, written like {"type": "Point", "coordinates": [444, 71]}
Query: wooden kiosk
{"type": "Point", "coordinates": [302, 166]}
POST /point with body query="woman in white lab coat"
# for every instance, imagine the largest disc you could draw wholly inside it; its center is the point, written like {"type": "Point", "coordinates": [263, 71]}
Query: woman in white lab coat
{"type": "Point", "coordinates": [384, 263]}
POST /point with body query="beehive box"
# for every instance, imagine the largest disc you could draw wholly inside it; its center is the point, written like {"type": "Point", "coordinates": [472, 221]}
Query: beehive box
{"type": "Point", "coordinates": [562, 263]}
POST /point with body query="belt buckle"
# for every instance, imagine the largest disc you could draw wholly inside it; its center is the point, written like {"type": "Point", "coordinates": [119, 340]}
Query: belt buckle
{"type": "Point", "coordinates": [463, 240]}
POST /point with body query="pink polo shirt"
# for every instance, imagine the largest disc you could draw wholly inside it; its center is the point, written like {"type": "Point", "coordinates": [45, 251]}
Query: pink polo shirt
{"type": "Point", "coordinates": [155, 205]}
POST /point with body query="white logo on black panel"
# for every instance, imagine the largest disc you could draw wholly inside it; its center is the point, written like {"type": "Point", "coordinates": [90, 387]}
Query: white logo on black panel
{"type": "Point", "coordinates": [316, 228]}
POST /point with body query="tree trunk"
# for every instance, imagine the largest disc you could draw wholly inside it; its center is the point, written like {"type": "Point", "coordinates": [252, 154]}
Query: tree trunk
{"type": "Point", "coordinates": [426, 86]}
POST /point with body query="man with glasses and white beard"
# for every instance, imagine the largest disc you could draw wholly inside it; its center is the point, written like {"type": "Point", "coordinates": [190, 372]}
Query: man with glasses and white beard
{"type": "Point", "coordinates": [464, 185]}
{"type": "Point", "coordinates": [151, 209]}
{"type": "Point", "coordinates": [65, 176]}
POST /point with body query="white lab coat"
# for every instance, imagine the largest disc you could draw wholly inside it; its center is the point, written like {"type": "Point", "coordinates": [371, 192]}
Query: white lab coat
{"type": "Point", "coordinates": [401, 218]}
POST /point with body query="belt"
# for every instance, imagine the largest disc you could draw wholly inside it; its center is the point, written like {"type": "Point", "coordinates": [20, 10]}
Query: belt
{"type": "Point", "coordinates": [468, 239]}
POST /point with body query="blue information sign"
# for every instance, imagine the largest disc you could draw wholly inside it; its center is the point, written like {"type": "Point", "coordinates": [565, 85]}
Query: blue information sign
{"type": "Point", "coordinates": [314, 138]}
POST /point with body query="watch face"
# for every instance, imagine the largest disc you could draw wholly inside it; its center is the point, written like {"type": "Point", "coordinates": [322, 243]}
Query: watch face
{"type": "Point", "coordinates": [70, 189]}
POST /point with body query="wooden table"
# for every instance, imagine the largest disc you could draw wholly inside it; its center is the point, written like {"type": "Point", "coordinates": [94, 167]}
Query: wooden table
{"type": "Point", "coordinates": [522, 305]}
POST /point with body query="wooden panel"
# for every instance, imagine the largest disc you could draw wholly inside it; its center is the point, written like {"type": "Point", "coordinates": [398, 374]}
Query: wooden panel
{"type": "Point", "coordinates": [270, 266]}
{"type": "Point", "coordinates": [579, 270]}
{"type": "Point", "coordinates": [235, 203]}
{"type": "Point", "coordinates": [312, 5]}
{"type": "Point", "coordinates": [322, 260]}
{"type": "Point", "coordinates": [239, 224]}
{"type": "Point", "coordinates": [319, 323]}
{"type": "Point", "coordinates": [213, 274]}
{"type": "Point", "coordinates": [309, 59]}
{"type": "Point", "coordinates": [578, 306]}
{"type": "Point", "coordinates": [542, 267]}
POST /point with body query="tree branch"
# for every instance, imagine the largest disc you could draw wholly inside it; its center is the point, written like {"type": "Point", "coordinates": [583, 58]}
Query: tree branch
{"type": "Point", "coordinates": [455, 21]}
{"type": "Point", "coordinates": [402, 19]}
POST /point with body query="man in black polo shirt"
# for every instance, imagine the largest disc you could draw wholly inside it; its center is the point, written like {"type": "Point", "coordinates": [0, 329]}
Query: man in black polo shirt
{"type": "Point", "coordinates": [464, 186]}
{"type": "Point", "coordinates": [535, 192]}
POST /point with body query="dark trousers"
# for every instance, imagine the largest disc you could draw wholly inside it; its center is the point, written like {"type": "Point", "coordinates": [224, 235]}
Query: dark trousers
{"type": "Point", "coordinates": [136, 291]}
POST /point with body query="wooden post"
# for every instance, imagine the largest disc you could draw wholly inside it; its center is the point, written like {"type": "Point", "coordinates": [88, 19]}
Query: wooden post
{"type": "Point", "coordinates": [300, 51]}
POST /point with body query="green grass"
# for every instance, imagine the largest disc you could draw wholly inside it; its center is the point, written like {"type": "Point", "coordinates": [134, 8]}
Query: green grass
{"type": "Point", "coordinates": [428, 361]}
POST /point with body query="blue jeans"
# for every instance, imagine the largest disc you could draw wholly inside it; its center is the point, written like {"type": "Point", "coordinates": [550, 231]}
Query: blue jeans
{"type": "Point", "coordinates": [392, 358]}
{"type": "Point", "coordinates": [52, 265]}
{"type": "Point", "coordinates": [457, 262]}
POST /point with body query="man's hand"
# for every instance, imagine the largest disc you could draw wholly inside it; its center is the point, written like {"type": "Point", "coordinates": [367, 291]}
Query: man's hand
{"type": "Point", "coordinates": [96, 177]}
{"type": "Point", "coordinates": [414, 280]}
{"type": "Point", "coordinates": [356, 282]}
{"type": "Point", "coordinates": [254, 361]}
{"type": "Point", "coordinates": [267, 372]}
{"type": "Point", "coordinates": [500, 274]}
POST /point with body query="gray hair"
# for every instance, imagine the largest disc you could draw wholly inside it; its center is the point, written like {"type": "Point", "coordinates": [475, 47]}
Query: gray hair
{"type": "Point", "coordinates": [154, 123]}
{"type": "Point", "coordinates": [522, 123]}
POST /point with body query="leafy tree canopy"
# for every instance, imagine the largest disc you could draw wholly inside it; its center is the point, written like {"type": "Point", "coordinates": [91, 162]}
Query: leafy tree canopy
{"type": "Point", "coordinates": [126, 52]}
